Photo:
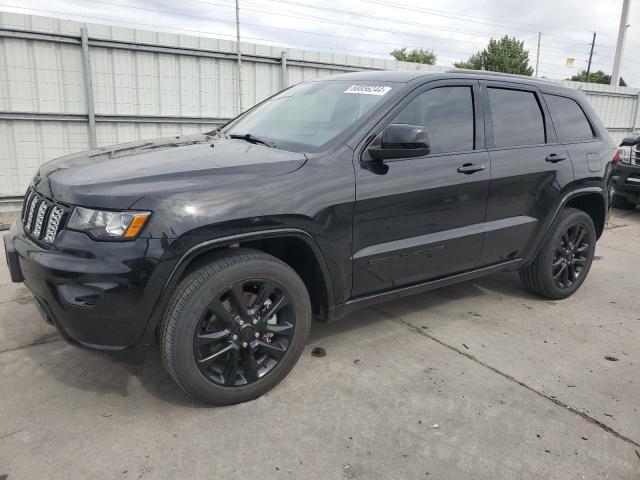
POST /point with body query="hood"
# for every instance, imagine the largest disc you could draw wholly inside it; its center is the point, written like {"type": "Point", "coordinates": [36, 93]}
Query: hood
{"type": "Point", "coordinates": [117, 176]}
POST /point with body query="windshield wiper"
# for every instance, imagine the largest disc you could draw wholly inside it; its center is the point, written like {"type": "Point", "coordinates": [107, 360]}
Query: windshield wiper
{"type": "Point", "coordinates": [253, 139]}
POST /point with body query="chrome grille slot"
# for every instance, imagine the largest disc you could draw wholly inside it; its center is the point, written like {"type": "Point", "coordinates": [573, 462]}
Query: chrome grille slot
{"type": "Point", "coordinates": [25, 206]}
{"type": "Point", "coordinates": [31, 214]}
{"type": "Point", "coordinates": [53, 225]}
{"type": "Point", "coordinates": [43, 208]}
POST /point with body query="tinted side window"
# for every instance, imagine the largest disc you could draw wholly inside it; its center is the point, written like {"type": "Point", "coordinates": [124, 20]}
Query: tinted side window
{"type": "Point", "coordinates": [569, 119]}
{"type": "Point", "coordinates": [517, 118]}
{"type": "Point", "coordinates": [447, 113]}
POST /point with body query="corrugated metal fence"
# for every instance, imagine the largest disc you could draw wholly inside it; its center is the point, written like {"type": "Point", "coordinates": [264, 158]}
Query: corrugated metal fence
{"type": "Point", "coordinates": [65, 87]}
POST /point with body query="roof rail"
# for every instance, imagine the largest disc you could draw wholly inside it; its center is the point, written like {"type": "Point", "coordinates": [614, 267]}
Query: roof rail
{"type": "Point", "coordinates": [498, 74]}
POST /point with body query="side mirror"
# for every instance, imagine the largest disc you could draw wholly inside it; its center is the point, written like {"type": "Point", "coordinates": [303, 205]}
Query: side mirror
{"type": "Point", "coordinates": [631, 140]}
{"type": "Point", "coordinates": [399, 140]}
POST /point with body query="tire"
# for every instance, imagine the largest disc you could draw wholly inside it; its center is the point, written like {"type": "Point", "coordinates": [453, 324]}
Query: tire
{"type": "Point", "coordinates": [195, 309]}
{"type": "Point", "coordinates": [538, 277]}
{"type": "Point", "coordinates": [620, 202]}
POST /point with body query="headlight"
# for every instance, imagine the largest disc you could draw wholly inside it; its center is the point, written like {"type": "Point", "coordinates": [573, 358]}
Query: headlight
{"type": "Point", "coordinates": [103, 225]}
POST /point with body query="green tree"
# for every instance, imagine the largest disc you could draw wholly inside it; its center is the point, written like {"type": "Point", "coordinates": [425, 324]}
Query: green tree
{"type": "Point", "coordinates": [415, 56]}
{"type": "Point", "coordinates": [596, 77]}
{"type": "Point", "coordinates": [505, 55]}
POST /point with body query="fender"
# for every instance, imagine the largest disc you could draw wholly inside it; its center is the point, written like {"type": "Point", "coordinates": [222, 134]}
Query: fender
{"type": "Point", "coordinates": [196, 250]}
{"type": "Point", "coordinates": [544, 231]}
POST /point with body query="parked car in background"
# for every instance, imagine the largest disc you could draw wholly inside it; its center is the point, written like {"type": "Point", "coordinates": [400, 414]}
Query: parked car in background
{"type": "Point", "coordinates": [626, 184]}
{"type": "Point", "coordinates": [332, 195]}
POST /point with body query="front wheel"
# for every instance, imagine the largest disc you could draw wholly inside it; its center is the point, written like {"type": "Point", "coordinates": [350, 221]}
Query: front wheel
{"type": "Point", "coordinates": [565, 257]}
{"type": "Point", "coordinates": [235, 328]}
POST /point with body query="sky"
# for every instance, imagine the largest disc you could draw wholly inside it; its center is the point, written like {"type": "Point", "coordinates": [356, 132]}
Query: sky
{"type": "Point", "coordinates": [454, 30]}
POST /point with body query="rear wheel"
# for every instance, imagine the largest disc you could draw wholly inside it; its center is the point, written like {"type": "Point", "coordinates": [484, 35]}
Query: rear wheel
{"type": "Point", "coordinates": [620, 202]}
{"type": "Point", "coordinates": [235, 327]}
{"type": "Point", "coordinates": [565, 257]}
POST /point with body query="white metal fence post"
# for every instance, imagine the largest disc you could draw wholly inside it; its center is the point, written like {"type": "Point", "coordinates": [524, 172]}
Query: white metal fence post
{"type": "Point", "coordinates": [88, 87]}
{"type": "Point", "coordinates": [239, 52]}
{"type": "Point", "coordinates": [284, 81]}
{"type": "Point", "coordinates": [538, 54]}
{"type": "Point", "coordinates": [636, 112]}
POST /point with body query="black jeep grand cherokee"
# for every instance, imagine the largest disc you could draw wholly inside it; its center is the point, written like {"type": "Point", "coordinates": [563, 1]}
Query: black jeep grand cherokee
{"type": "Point", "coordinates": [330, 196]}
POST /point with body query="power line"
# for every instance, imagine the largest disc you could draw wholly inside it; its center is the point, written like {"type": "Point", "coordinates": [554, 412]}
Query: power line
{"type": "Point", "coordinates": [465, 16]}
{"type": "Point", "coordinates": [200, 17]}
{"type": "Point", "coordinates": [355, 25]}
{"type": "Point", "coordinates": [441, 13]}
{"type": "Point", "coordinates": [454, 15]}
{"type": "Point", "coordinates": [585, 44]}
{"type": "Point", "coordinates": [421, 10]}
{"type": "Point", "coordinates": [359, 25]}
{"type": "Point", "coordinates": [172, 28]}
{"type": "Point", "coordinates": [316, 46]}
{"type": "Point", "coordinates": [325, 20]}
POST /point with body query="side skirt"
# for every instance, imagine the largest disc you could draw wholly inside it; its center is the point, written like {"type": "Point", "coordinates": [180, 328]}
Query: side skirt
{"type": "Point", "coordinates": [343, 309]}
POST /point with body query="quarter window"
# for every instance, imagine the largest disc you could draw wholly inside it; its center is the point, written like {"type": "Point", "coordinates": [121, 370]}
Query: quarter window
{"type": "Point", "coordinates": [569, 119]}
{"type": "Point", "coordinates": [447, 114]}
{"type": "Point", "coordinates": [516, 118]}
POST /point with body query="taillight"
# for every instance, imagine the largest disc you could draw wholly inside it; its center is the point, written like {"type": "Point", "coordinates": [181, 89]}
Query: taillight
{"type": "Point", "coordinates": [616, 157]}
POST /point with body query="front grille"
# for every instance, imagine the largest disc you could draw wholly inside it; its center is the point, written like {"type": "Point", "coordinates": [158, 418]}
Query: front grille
{"type": "Point", "coordinates": [41, 217]}
{"type": "Point", "coordinates": [635, 155]}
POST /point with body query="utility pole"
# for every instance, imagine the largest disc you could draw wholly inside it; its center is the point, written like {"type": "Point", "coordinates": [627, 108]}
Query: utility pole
{"type": "Point", "coordinates": [239, 55]}
{"type": "Point", "coordinates": [593, 43]}
{"type": "Point", "coordinates": [538, 53]}
{"type": "Point", "coordinates": [622, 32]}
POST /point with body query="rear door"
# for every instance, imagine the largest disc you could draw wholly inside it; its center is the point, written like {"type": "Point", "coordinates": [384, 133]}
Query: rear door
{"type": "Point", "coordinates": [421, 218]}
{"type": "Point", "coordinates": [575, 132]}
{"type": "Point", "coordinates": [529, 169]}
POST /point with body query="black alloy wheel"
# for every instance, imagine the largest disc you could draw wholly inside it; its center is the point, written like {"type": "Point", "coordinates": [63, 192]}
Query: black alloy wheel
{"type": "Point", "coordinates": [244, 332]}
{"type": "Point", "coordinates": [235, 326]}
{"type": "Point", "coordinates": [571, 255]}
{"type": "Point", "coordinates": [564, 258]}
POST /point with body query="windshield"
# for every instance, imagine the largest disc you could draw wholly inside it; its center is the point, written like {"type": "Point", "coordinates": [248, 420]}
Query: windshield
{"type": "Point", "coordinates": [309, 115]}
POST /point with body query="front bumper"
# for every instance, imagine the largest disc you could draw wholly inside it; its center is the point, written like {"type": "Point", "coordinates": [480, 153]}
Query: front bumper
{"type": "Point", "coordinates": [627, 182]}
{"type": "Point", "coordinates": [99, 294]}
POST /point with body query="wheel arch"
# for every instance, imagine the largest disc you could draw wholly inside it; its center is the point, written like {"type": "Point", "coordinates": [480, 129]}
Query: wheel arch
{"type": "Point", "coordinates": [590, 200]}
{"type": "Point", "coordinates": [295, 247]}
{"type": "Point", "coordinates": [594, 205]}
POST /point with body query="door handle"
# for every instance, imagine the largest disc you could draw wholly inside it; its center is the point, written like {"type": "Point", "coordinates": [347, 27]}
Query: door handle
{"type": "Point", "coordinates": [555, 158]}
{"type": "Point", "coordinates": [469, 168]}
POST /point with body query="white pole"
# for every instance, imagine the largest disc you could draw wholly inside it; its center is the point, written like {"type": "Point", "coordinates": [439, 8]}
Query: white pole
{"type": "Point", "coordinates": [622, 32]}
{"type": "Point", "coordinates": [239, 56]}
{"type": "Point", "coordinates": [538, 53]}
{"type": "Point", "coordinates": [88, 86]}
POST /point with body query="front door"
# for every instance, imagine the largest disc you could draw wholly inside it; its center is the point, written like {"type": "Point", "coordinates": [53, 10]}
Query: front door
{"type": "Point", "coordinates": [422, 218]}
